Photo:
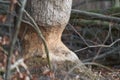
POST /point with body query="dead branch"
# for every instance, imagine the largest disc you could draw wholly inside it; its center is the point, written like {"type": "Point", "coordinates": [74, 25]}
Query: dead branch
{"type": "Point", "coordinates": [95, 16]}
{"type": "Point", "coordinates": [96, 23]}
{"type": "Point", "coordinates": [103, 55]}
{"type": "Point", "coordinates": [7, 74]}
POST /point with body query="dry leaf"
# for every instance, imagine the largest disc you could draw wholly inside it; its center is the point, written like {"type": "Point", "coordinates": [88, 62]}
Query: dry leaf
{"type": "Point", "coordinates": [50, 74]}
{"type": "Point", "coordinates": [3, 18]}
{"type": "Point", "coordinates": [5, 40]}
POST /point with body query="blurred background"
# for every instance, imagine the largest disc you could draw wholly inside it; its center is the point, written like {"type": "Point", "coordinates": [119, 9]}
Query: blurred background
{"type": "Point", "coordinates": [82, 33]}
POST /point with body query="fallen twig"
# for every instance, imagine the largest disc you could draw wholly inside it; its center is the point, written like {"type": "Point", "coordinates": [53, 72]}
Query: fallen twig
{"type": "Point", "coordinates": [95, 16]}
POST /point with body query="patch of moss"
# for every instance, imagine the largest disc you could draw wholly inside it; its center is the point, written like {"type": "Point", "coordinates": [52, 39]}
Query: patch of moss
{"type": "Point", "coordinates": [37, 60]}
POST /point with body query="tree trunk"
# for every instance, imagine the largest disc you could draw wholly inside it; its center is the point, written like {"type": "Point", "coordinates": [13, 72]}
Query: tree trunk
{"type": "Point", "coordinates": [52, 16]}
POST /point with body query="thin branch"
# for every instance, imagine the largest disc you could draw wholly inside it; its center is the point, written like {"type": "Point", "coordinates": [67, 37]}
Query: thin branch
{"type": "Point", "coordinates": [2, 49]}
{"type": "Point", "coordinates": [95, 16]}
{"type": "Point", "coordinates": [5, 2]}
{"type": "Point", "coordinates": [8, 71]}
{"type": "Point", "coordinates": [95, 23]}
{"type": "Point", "coordinates": [108, 35]}
{"type": "Point", "coordinates": [103, 55]}
{"type": "Point", "coordinates": [100, 45]}
{"type": "Point", "coordinates": [79, 34]}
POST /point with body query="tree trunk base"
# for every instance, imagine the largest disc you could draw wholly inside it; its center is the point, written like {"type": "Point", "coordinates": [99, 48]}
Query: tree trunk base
{"type": "Point", "coordinates": [60, 55]}
{"type": "Point", "coordinates": [32, 44]}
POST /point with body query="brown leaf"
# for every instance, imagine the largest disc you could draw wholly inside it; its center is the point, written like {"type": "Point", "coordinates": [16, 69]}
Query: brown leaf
{"type": "Point", "coordinates": [1, 78]}
{"type": "Point", "coordinates": [16, 52]}
{"type": "Point", "coordinates": [49, 73]}
{"type": "Point", "coordinates": [5, 40]}
{"type": "Point", "coordinates": [13, 59]}
{"type": "Point", "coordinates": [3, 18]}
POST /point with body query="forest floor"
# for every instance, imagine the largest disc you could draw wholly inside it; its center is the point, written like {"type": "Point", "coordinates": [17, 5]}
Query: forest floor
{"type": "Point", "coordinates": [40, 73]}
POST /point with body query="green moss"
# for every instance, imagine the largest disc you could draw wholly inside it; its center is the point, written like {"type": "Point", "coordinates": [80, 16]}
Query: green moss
{"type": "Point", "coordinates": [37, 61]}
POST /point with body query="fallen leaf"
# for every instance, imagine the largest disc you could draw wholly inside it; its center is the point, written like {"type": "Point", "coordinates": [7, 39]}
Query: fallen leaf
{"type": "Point", "coordinates": [3, 18]}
